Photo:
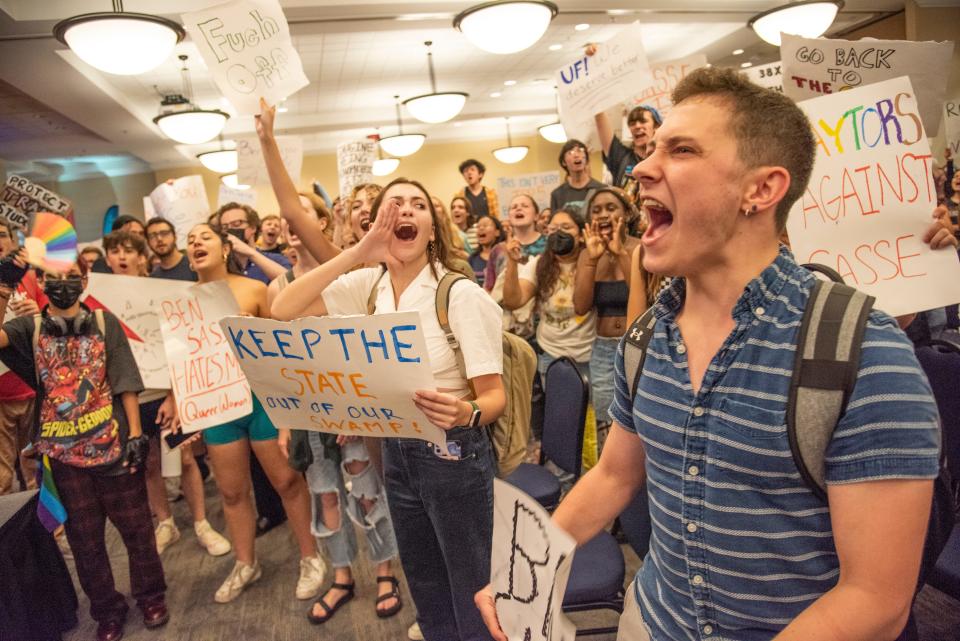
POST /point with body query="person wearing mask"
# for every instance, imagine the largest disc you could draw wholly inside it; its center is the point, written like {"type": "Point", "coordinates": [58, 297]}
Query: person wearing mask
{"type": "Point", "coordinates": [483, 200]}
{"type": "Point", "coordinates": [489, 235]}
{"type": "Point", "coordinates": [242, 222]}
{"type": "Point", "coordinates": [572, 193]}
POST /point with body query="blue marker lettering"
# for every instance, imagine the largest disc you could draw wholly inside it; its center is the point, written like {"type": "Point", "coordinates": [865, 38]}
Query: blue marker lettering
{"type": "Point", "coordinates": [368, 344]}
{"type": "Point", "coordinates": [259, 342]}
{"type": "Point", "coordinates": [399, 345]}
{"type": "Point", "coordinates": [282, 344]}
{"type": "Point", "coordinates": [309, 344]}
{"type": "Point", "coordinates": [237, 338]}
{"type": "Point", "coordinates": [343, 341]}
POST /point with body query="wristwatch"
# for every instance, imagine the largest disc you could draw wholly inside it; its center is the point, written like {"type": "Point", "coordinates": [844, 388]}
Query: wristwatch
{"type": "Point", "coordinates": [475, 417]}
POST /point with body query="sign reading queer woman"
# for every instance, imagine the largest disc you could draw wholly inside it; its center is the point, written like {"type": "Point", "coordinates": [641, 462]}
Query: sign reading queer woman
{"type": "Point", "coordinates": [21, 199]}
{"type": "Point", "coordinates": [351, 375]}
{"type": "Point", "coordinates": [529, 567]}
{"type": "Point", "coordinates": [207, 381]}
{"type": "Point", "coordinates": [246, 45]}
{"type": "Point", "coordinates": [816, 66]}
{"type": "Point", "coordinates": [871, 197]}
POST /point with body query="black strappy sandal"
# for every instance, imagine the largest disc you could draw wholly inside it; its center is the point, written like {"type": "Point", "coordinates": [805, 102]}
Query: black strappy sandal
{"type": "Point", "coordinates": [393, 594]}
{"type": "Point", "coordinates": [329, 611]}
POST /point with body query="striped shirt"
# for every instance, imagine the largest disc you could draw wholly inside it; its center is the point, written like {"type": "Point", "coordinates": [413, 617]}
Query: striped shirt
{"type": "Point", "coordinates": [740, 546]}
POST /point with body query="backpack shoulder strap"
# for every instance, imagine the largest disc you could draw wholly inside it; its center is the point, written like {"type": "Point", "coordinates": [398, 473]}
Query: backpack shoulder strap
{"type": "Point", "coordinates": [443, 315]}
{"type": "Point", "coordinates": [285, 279]}
{"type": "Point", "coordinates": [635, 348]}
{"type": "Point", "coordinates": [824, 374]}
{"type": "Point", "coordinates": [101, 323]}
{"type": "Point", "coordinates": [372, 298]}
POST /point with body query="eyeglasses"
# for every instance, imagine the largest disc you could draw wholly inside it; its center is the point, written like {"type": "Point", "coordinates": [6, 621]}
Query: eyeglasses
{"type": "Point", "coordinates": [235, 224]}
{"type": "Point", "coordinates": [156, 235]}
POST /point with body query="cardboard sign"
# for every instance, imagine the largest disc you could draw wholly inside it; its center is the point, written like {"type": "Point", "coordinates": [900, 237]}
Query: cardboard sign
{"type": "Point", "coordinates": [529, 567]}
{"type": "Point", "coordinates": [353, 375]}
{"type": "Point", "coordinates": [246, 45]}
{"type": "Point", "coordinates": [206, 379]}
{"type": "Point", "coordinates": [251, 167]}
{"type": "Point", "coordinates": [355, 164]}
{"type": "Point", "coordinates": [664, 77]}
{"type": "Point", "coordinates": [769, 75]}
{"type": "Point", "coordinates": [817, 66]}
{"type": "Point", "coordinates": [183, 202]}
{"type": "Point", "coordinates": [21, 199]}
{"type": "Point", "coordinates": [227, 194]}
{"type": "Point", "coordinates": [135, 301]}
{"type": "Point", "coordinates": [538, 185]}
{"type": "Point", "coordinates": [592, 84]}
{"type": "Point", "coordinates": [871, 197]}
{"type": "Point", "coordinates": [951, 126]}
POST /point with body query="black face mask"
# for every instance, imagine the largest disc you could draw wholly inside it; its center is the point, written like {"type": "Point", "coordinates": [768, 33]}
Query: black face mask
{"type": "Point", "coordinates": [561, 243]}
{"type": "Point", "coordinates": [63, 293]}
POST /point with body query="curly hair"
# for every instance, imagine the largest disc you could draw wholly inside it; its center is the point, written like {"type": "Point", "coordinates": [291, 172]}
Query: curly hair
{"type": "Point", "coordinates": [548, 267]}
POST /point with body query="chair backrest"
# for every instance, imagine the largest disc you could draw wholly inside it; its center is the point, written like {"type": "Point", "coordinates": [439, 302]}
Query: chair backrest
{"type": "Point", "coordinates": [566, 394]}
{"type": "Point", "coordinates": [941, 363]}
{"type": "Point", "coordinates": [636, 524]}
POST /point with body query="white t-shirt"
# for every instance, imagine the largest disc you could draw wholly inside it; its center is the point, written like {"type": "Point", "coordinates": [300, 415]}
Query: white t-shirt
{"type": "Point", "coordinates": [561, 332]}
{"type": "Point", "coordinates": [474, 319]}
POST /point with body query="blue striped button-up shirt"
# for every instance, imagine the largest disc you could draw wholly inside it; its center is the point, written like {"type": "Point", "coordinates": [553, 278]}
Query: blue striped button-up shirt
{"type": "Point", "coordinates": [740, 546]}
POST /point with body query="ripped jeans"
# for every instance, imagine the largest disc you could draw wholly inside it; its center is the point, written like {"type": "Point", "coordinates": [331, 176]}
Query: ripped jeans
{"type": "Point", "coordinates": [325, 477]}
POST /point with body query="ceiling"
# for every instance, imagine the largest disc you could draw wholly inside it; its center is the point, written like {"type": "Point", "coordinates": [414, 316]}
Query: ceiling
{"type": "Point", "coordinates": [57, 113]}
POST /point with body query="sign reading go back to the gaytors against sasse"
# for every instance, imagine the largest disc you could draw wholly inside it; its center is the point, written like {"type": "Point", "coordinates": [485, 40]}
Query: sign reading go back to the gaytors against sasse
{"type": "Point", "coordinates": [351, 375]}
{"type": "Point", "coordinates": [870, 198]}
{"type": "Point", "coordinates": [246, 45]}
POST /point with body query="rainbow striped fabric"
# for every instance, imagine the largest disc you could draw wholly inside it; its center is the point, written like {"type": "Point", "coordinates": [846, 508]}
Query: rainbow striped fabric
{"type": "Point", "coordinates": [50, 510]}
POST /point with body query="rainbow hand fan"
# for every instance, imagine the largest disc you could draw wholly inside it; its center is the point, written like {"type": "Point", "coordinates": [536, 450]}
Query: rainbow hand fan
{"type": "Point", "coordinates": [52, 245]}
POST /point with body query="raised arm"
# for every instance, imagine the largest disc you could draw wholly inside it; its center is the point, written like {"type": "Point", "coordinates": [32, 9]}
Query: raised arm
{"type": "Point", "coordinates": [637, 301]}
{"type": "Point", "coordinates": [12, 269]}
{"type": "Point", "coordinates": [516, 291]}
{"type": "Point", "coordinates": [587, 270]}
{"type": "Point", "coordinates": [604, 132]}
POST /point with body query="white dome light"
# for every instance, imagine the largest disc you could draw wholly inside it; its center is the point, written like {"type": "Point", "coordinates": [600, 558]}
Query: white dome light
{"type": "Point", "coordinates": [402, 144]}
{"type": "Point", "coordinates": [436, 107]}
{"type": "Point", "coordinates": [231, 182]}
{"type": "Point", "coordinates": [554, 132]}
{"type": "Point", "coordinates": [385, 166]}
{"type": "Point", "coordinates": [221, 161]}
{"type": "Point", "coordinates": [807, 19]}
{"type": "Point", "coordinates": [192, 126]}
{"type": "Point", "coordinates": [506, 26]}
{"type": "Point", "coordinates": [120, 42]}
{"type": "Point", "coordinates": [510, 155]}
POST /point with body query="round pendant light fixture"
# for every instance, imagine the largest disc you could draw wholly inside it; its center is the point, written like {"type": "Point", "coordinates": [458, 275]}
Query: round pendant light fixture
{"type": "Point", "coordinates": [436, 106]}
{"type": "Point", "coordinates": [221, 161]}
{"type": "Point", "coordinates": [554, 132]}
{"type": "Point", "coordinates": [402, 144]}
{"type": "Point", "coordinates": [506, 26]}
{"type": "Point", "coordinates": [183, 121]}
{"type": "Point", "coordinates": [385, 166]}
{"type": "Point", "coordinates": [231, 181]}
{"type": "Point", "coordinates": [510, 154]}
{"type": "Point", "coordinates": [808, 19]}
{"type": "Point", "coordinates": [120, 42]}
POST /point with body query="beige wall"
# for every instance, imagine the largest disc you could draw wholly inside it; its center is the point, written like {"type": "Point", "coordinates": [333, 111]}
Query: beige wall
{"type": "Point", "coordinates": [93, 196]}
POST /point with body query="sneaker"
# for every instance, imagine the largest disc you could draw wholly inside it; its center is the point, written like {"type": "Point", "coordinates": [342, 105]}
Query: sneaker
{"type": "Point", "coordinates": [414, 633]}
{"type": "Point", "coordinates": [240, 577]}
{"type": "Point", "coordinates": [214, 542]}
{"type": "Point", "coordinates": [166, 534]}
{"type": "Point", "coordinates": [312, 572]}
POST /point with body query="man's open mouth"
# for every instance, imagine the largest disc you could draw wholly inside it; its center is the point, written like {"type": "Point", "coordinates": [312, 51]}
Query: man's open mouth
{"type": "Point", "coordinates": [659, 216]}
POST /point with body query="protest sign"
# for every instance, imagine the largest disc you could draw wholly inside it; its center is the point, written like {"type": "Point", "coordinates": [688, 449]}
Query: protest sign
{"type": "Point", "coordinates": [21, 198]}
{"type": "Point", "coordinates": [769, 76]}
{"type": "Point", "coordinates": [870, 198]}
{"type": "Point", "coordinates": [664, 77]}
{"type": "Point", "coordinates": [230, 195]}
{"type": "Point", "coordinates": [352, 375]}
{"type": "Point", "coordinates": [251, 167]}
{"type": "Point", "coordinates": [592, 84]}
{"type": "Point", "coordinates": [138, 317]}
{"type": "Point", "coordinates": [529, 566]}
{"type": "Point", "coordinates": [183, 202]}
{"type": "Point", "coordinates": [538, 185]}
{"type": "Point", "coordinates": [817, 66]}
{"type": "Point", "coordinates": [207, 381]}
{"type": "Point", "coordinates": [246, 45]}
{"type": "Point", "coordinates": [355, 164]}
{"type": "Point", "coordinates": [951, 126]}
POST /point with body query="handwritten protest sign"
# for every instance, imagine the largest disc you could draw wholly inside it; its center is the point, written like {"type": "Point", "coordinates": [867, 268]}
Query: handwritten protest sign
{"type": "Point", "coordinates": [769, 76]}
{"type": "Point", "coordinates": [870, 198]}
{"type": "Point", "coordinates": [664, 77]}
{"type": "Point", "coordinates": [206, 379]}
{"type": "Point", "coordinates": [246, 45]}
{"type": "Point", "coordinates": [183, 202]}
{"type": "Point", "coordinates": [353, 375]}
{"type": "Point", "coordinates": [538, 185]}
{"type": "Point", "coordinates": [817, 66]}
{"type": "Point", "coordinates": [230, 195]}
{"type": "Point", "coordinates": [21, 199]}
{"type": "Point", "coordinates": [529, 566]}
{"type": "Point", "coordinates": [138, 317]}
{"type": "Point", "coordinates": [355, 163]}
{"type": "Point", "coordinates": [592, 84]}
{"type": "Point", "coordinates": [951, 125]}
{"type": "Point", "coordinates": [251, 167]}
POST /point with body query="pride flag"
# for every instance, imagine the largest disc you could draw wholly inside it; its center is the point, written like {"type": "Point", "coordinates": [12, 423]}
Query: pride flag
{"type": "Point", "coordinates": [50, 510]}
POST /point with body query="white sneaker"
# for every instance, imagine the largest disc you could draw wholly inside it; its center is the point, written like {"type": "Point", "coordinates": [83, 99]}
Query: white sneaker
{"type": "Point", "coordinates": [414, 633]}
{"type": "Point", "coordinates": [166, 534]}
{"type": "Point", "coordinates": [239, 578]}
{"type": "Point", "coordinates": [312, 572]}
{"type": "Point", "coordinates": [215, 543]}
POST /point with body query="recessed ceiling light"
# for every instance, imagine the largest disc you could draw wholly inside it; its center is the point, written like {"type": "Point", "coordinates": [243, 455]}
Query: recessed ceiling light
{"type": "Point", "coordinates": [617, 12]}
{"type": "Point", "coordinates": [509, 83]}
{"type": "Point", "coordinates": [555, 47]}
{"type": "Point", "coordinates": [583, 26]}
{"type": "Point", "coordinates": [495, 94]}
{"type": "Point", "coordinates": [744, 65]}
{"type": "Point", "coordinates": [282, 110]}
{"type": "Point", "coordinates": [737, 52]}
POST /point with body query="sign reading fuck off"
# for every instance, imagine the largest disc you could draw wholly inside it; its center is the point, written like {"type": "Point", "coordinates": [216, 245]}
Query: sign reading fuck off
{"type": "Point", "coordinates": [350, 375]}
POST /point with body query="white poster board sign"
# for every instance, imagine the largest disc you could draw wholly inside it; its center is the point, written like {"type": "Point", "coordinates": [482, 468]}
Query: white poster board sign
{"type": "Point", "coordinates": [206, 379]}
{"type": "Point", "coordinates": [352, 375]}
{"type": "Point", "coordinates": [538, 185]}
{"type": "Point", "coordinates": [138, 317]}
{"type": "Point", "coordinates": [251, 167]}
{"type": "Point", "coordinates": [21, 199]}
{"type": "Point", "coordinates": [529, 567]}
{"type": "Point", "coordinates": [592, 84]}
{"type": "Point", "coordinates": [246, 45]}
{"type": "Point", "coordinates": [951, 127]}
{"type": "Point", "coordinates": [871, 197]}
{"type": "Point", "coordinates": [227, 194]}
{"type": "Point", "coordinates": [769, 75]}
{"type": "Point", "coordinates": [355, 164]}
{"type": "Point", "coordinates": [664, 77]}
{"type": "Point", "coordinates": [183, 202]}
{"type": "Point", "coordinates": [817, 66]}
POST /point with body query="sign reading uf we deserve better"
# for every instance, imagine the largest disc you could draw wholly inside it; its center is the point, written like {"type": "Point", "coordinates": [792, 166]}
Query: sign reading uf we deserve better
{"type": "Point", "coordinates": [246, 45]}
{"type": "Point", "coordinates": [352, 375]}
{"type": "Point", "coordinates": [870, 198]}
